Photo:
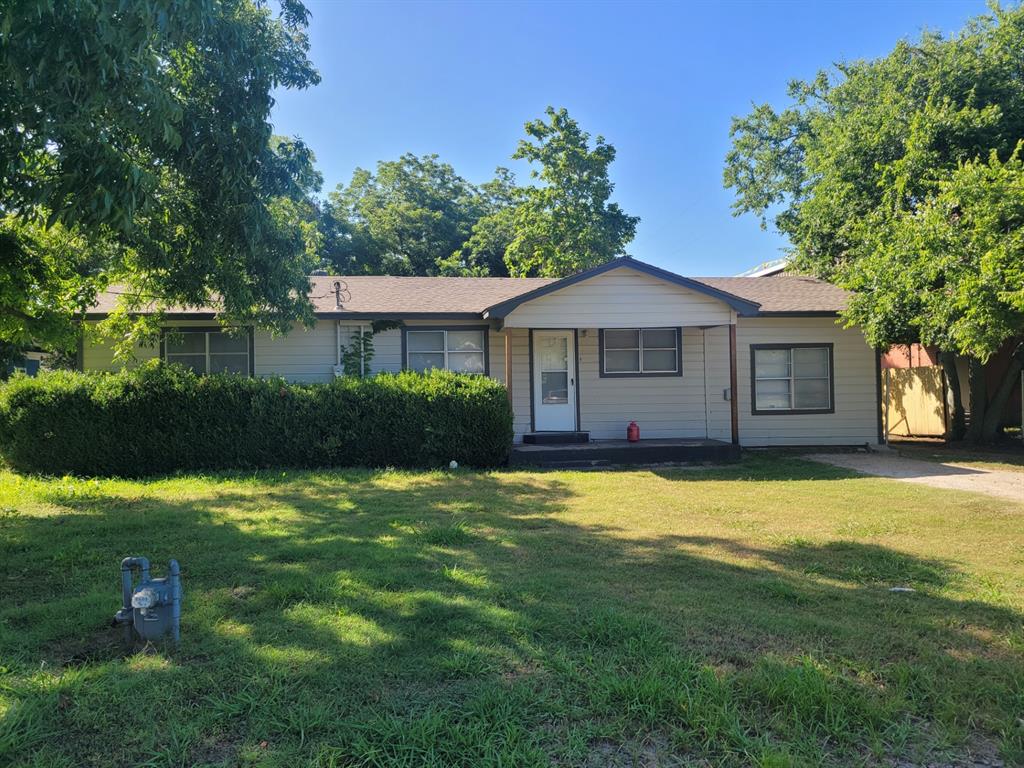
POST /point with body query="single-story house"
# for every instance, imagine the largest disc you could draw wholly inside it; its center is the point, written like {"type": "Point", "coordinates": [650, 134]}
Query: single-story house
{"type": "Point", "coordinates": [743, 360]}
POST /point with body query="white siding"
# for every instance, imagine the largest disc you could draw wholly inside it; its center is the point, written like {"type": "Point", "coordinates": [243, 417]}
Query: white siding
{"type": "Point", "coordinates": [521, 383]}
{"type": "Point", "coordinates": [719, 410]}
{"type": "Point", "coordinates": [663, 406]}
{"type": "Point", "coordinates": [303, 355]}
{"type": "Point", "coordinates": [619, 298]}
{"type": "Point", "coordinates": [855, 420]}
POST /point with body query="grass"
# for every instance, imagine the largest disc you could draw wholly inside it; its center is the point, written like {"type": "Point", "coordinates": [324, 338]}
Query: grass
{"type": "Point", "coordinates": [733, 616]}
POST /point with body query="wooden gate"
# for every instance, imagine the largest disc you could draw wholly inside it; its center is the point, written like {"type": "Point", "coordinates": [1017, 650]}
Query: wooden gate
{"type": "Point", "coordinates": [915, 402]}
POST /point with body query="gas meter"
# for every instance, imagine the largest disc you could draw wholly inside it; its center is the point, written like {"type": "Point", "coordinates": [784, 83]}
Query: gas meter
{"type": "Point", "coordinates": [152, 607]}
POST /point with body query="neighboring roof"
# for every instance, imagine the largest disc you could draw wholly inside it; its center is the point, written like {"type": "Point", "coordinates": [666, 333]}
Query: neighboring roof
{"type": "Point", "coordinates": [767, 268]}
{"type": "Point", "coordinates": [784, 293]}
{"type": "Point", "coordinates": [494, 297]}
{"type": "Point", "coordinates": [742, 306]}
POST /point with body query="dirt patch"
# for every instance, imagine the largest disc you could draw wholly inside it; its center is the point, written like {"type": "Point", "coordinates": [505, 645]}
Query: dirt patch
{"type": "Point", "coordinates": [97, 647]}
{"type": "Point", "coordinates": [993, 482]}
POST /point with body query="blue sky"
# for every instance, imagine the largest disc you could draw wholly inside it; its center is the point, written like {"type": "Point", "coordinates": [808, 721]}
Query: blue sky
{"type": "Point", "coordinates": [660, 81]}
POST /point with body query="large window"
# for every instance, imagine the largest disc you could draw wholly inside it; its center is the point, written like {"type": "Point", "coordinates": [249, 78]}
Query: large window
{"type": "Point", "coordinates": [792, 378]}
{"type": "Point", "coordinates": [207, 350]}
{"type": "Point", "coordinates": [463, 350]}
{"type": "Point", "coordinates": [640, 352]}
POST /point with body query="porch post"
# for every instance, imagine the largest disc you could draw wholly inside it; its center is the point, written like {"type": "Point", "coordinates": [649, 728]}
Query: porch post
{"type": "Point", "coordinates": [734, 408]}
{"type": "Point", "coordinates": [508, 365]}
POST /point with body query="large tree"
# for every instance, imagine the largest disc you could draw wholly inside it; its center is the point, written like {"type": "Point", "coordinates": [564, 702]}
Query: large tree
{"type": "Point", "coordinates": [566, 223]}
{"type": "Point", "coordinates": [135, 146]}
{"type": "Point", "coordinates": [406, 218]}
{"type": "Point", "coordinates": [417, 216]}
{"type": "Point", "coordinates": [887, 177]}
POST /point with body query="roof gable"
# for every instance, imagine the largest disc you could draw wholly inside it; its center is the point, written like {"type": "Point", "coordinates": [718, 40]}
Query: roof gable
{"type": "Point", "coordinates": [743, 307]}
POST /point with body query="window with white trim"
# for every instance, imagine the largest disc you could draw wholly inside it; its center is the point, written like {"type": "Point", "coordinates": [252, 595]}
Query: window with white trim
{"type": "Point", "coordinates": [792, 378]}
{"type": "Point", "coordinates": [640, 351]}
{"type": "Point", "coordinates": [455, 349]}
{"type": "Point", "coordinates": [208, 351]}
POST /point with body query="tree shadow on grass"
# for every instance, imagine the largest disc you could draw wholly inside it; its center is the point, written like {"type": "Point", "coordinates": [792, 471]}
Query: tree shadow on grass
{"type": "Point", "coordinates": [353, 617]}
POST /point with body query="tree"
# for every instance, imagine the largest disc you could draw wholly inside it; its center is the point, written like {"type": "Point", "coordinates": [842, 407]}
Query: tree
{"type": "Point", "coordinates": [483, 254]}
{"type": "Point", "coordinates": [953, 270]}
{"type": "Point", "coordinates": [140, 132]}
{"type": "Point", "coordinates": [405, 219]}
{"type": "Point", "coordinates": [566, 224]}
{"type": "Point", "coordinates": [868, 174]}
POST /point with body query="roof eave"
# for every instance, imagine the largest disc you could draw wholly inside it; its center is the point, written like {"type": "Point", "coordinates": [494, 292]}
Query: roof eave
{"type": "Point", "coordinates": [323, 315]}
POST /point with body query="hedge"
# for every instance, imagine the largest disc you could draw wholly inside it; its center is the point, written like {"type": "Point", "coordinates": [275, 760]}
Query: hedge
{"type": "Point", "coordinates": [162, 418]}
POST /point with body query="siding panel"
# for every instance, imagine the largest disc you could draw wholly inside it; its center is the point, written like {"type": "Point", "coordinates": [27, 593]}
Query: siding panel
{"type": "Point", "coordinates": [619, 298]}
{"type": "Point", "coordinates": [856, 408]}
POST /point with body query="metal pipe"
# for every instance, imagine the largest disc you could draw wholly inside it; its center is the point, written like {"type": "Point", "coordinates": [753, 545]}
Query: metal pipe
{"type": "Point", "coordinates": [175, 575]}
{"type": "Point", "coordinates": [124, 616]}
{"type": "Point", "coordinates": [128, 565]}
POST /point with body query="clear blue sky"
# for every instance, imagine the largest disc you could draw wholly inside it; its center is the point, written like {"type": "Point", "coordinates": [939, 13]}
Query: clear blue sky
{"type": "Point", "coordinates": [659, 81]}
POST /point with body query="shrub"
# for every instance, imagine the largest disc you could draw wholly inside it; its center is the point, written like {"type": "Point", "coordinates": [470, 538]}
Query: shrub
{"type": "Point", "coordinates": [161, 418]}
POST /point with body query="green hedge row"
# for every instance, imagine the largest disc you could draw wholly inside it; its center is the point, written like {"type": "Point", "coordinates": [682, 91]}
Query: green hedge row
{"type": "Point", "coordinates": [162, 418]}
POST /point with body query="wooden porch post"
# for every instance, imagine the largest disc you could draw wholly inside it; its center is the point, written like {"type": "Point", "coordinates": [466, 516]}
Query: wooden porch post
{"type": "Point", "coordinates": [734, 408]}
{"type": "Point", "coordinates": [508, 365]}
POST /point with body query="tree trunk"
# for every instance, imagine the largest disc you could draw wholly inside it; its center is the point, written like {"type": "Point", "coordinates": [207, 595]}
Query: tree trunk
{"type": "Point", "coordinates": [958, 422]}
{"type": "Point", "coordinates": [979, 399]}
{"type": "Point", "coordinates": [1002, 394]}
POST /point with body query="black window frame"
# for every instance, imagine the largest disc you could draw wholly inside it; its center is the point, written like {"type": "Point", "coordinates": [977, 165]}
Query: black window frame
{"type": "Point", "coordinates": [484, 329]}
{"type": "Point", "coordinates": [207, 329]}
{"type": "Point", "coordinates": [755, 411]}
{"type": "Point", "coordinates": [641, 374]}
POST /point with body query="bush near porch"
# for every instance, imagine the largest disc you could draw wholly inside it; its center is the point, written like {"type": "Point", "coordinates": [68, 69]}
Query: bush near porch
{"type": "Point", "coordinates": [163, 418]}
{"type": "Point", "coordinates": [709, 617]}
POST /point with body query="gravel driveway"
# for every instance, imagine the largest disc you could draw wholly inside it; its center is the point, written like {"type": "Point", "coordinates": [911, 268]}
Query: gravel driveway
{"type": "Point", "coordinates": [995, 482]}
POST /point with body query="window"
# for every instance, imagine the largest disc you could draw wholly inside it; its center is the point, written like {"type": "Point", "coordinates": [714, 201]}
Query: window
{"type": "Point", "coordinates": [791, 378]}
{"type": "Point", "coordinates": [640, 352]}
{"type": "Point", "coordinates": [463, 350]}
{"type": "Point", "coordinates": [208, 350]}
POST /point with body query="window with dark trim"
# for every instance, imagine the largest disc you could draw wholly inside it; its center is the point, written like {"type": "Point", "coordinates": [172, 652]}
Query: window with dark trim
{"type": "Point", "coordinates": [791, 378]}
{"type": "Point", "coordinates": [208, 350]}
{"type": "Point", "coordinates": [462, 350]}
{"type": "Point", "coordinates": [640, 352]}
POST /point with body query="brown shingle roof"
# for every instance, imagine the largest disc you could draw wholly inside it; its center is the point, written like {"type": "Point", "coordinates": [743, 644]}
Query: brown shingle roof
{"type": "Point", "coordinates": [420, 294]}
{"type": "Point", "coordinates": [783, 293]}
{"type": "Point", "coordinates": [388, 295]}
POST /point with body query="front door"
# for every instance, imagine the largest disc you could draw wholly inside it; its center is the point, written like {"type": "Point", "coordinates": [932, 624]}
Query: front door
{"type": "Point", "coordinates": [554, 381]}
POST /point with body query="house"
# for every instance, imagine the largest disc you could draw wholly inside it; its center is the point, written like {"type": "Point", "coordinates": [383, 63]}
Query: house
{"type": "Point", "coordinates": [742, 360]}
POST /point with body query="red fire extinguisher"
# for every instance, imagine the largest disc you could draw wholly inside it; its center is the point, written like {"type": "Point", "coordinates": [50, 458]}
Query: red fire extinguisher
{"type": "Point", "coordinates": [633, 432]}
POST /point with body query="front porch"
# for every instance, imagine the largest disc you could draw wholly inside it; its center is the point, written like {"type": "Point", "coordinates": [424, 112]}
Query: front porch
{"type": "Point", "coordinates": [603, 453]}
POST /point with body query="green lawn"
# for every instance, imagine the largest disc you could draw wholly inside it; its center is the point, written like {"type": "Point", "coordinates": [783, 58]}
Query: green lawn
{"type": "Point", "coordinates": [738, 616]}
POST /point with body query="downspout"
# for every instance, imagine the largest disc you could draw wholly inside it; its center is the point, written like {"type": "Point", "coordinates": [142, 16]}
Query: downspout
{"type": "Point", "coordinates": [337, 343]}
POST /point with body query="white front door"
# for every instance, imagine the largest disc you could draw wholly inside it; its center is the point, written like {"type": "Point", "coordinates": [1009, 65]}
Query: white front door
{"type": "Point", "coordinates": [554, 381]}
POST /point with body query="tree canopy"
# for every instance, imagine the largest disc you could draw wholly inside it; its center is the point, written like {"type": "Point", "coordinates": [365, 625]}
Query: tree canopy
{"type": "Point", "coordinates": [407, 218]}
{"type": "Point", "coordinates": [899, 178]}
{"type": "Point", "coordinates": [565, 224]}
{"type": "Point", "coordinates": [417, 216]}
{"type": "Point", "coordinates": [135, 147]}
